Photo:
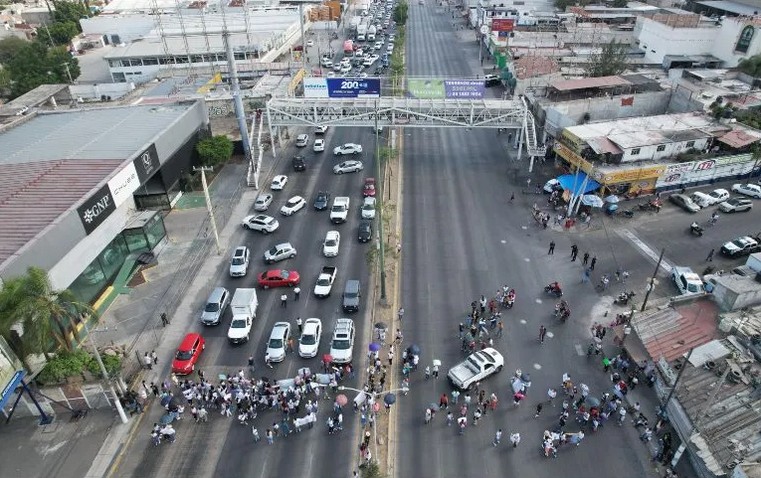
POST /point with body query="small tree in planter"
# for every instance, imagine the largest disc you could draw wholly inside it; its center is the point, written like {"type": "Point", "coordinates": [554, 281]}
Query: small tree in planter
{"type": "Point", "coordinates": [215, 150]}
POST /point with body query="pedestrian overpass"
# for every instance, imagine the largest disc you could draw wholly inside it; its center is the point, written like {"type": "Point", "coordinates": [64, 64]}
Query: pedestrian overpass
{"type": "Point", "coordinates": [389, 111]}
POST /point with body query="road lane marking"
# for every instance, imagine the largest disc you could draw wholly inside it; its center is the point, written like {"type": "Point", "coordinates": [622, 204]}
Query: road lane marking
{"type": "Point", "coordinates": [579, 349]}
{"type": "Point", "coordinates": [649, 251]}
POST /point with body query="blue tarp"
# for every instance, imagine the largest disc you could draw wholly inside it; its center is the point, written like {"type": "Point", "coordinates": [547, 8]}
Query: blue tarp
{"type": "Point", "coordinates": [574, 183]}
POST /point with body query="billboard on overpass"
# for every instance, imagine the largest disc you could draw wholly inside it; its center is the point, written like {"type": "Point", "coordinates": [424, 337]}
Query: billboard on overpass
{"type": "Point", "coordinates": [342, 87]}
{"type": "Point", "coordinates": [445, 89]}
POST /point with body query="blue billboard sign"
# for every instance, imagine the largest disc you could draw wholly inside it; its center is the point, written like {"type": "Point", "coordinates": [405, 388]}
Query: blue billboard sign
{"type": "Point", "coordinates": [10, 387]}
{"type": "Point", "coordinates": [353, 87]}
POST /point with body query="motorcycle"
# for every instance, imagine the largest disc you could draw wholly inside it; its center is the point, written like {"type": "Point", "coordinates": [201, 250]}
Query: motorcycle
{"type": "Point", "coordinates": [553, 289]}
{"type": "Point", "coordinates": [510, 299]}
{"type": "Point", "coordinates": [562, 311]}
{"type": "Point", "coordinates": [624, 297]}
{"type": "Point", "coordinates": [696, 229]}
{"type": "Point", "coordinates": [629, 213]}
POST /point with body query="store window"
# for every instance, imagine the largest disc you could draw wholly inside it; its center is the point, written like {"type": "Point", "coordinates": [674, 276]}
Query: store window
{"type": "Point", "coordinates": [135, 239]}
{"type": "Point", "coordinates": [746, 37]}
{"type": "Point", "coordinates": [113, 256]}
{"type": "Point", "coordinates": [155, 231]}
{"type": "Point", "coordinates": [635, 151]}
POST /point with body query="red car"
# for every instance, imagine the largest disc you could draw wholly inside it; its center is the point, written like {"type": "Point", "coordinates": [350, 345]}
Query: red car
{"type": "Point", "coordinates": [188, 353]}
{"type": "Point", "coordinates": [278, 278]}
{"type": "Point", "coordinates": [369, 189]}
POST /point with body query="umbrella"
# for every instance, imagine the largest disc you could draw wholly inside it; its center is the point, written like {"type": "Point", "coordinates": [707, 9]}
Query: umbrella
{"type": "Point", "coordinates": [517, 385]}
{"type": "Point", "coordinates": [341, 400]}
{"type": "Point", "coordinates": [436, 362]}
{"type": "Point", "coordinates": [612, 199]}
{"type": "Point", "coordinates": [434, 407]}
{"type": "Point", "coordinates": [526, 378]}
{"type": "Point", "coordinates": [591, 200]}
{"type": "Point", "coordinates": [606, 361]}
{"type": "Point", "coordinates": [389, 399]}
{"type": "Point", "coordinates": [165, 399]}
{"type": "Point", "coordinates": [374, 346]}
{"type": "Point", "coordinates": [593, 402]}
{"type": "Point", "coordinates": [327, 358]}
{"type": "Point", "coordinates": [166, 419]}
{"type": "Point", "coordinates": [381, 325]}
{"type": "Point", "coordinates": [414, 349]}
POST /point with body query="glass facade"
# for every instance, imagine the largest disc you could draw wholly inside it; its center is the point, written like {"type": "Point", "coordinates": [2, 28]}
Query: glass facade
{"type": "Point", "coordinates": [101, 272]}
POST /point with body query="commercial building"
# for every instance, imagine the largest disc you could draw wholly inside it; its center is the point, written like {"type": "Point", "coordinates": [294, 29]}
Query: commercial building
{"type": "Point", "coordinates": [144, 44]}
{"type": "Point", "coordinates": [81, 189]}
{"type": "Point", "coordinates": [642, 155]}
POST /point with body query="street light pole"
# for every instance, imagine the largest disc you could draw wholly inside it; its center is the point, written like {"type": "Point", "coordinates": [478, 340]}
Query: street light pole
{"type": "Point", "coordinates": [208, 204]}
{"type": "Point", "coordinates": [651, 285]}
{"type": "Point", "coordinates": [379, 196]}
{"type": "Point", "coordinates": [104, 372]}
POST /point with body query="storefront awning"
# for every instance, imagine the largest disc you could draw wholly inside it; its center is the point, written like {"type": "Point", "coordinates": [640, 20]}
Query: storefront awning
{"type": "Point", "coordinates": [578, 183]}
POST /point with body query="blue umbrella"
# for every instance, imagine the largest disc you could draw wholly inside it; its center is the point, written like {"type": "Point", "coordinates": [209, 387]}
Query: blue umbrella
{"type": "Point", "coordinates": [375, 346]}
{"type": "Point", "coordinates": [414, 349]}
{"type": "Point", "coordinates": [165, 399]}
{"type": "Point", "coordinates": [166, 419]}
{"type": "Point", "coordinates": [389, 399]}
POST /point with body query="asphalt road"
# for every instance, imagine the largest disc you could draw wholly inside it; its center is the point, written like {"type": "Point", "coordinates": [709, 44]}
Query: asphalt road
{"type": "Point", "coordinates": [224, 447]}
{"type": "Point", "coordinates": [463, 238]}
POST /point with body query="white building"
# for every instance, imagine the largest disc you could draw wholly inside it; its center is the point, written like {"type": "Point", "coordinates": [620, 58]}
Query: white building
{"type": "Point", "coordinates": [192, 37]}
{"type": "Point", "coordinates": [680, 40]}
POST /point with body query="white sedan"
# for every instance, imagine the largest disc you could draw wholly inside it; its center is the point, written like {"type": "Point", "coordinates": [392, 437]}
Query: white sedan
{"type": "Point", "coordinates": [368, 208]}
{"type": "Point", "coordinates": [718, 195]}
{"type": "Point", "coordinates": [261, 223]}
{"type": "Point", "coordinates": [331, 244]}
{"type": "Point", "coordinates": [348, 167]}
{"type": "Point", "coordinates": [296, 203]}
{"type": "Point", "coordinates": [310, 42]}
{"type": "Point", "coordinates": [309, 342]}
{"type": "Point", "coordinates": [751, 190]}
{"type": "Point", "coordinates": [348, 148]}
{"type": "Point", "coordinates": [263, 202]}
{"type": "Point", "coordinates": [319, 145]}
{"type": "Point", "coordinates": [279, 182]}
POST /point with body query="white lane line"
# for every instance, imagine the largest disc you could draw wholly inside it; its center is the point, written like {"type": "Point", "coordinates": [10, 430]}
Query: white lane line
{"type": "Point", "coordinates": [649, 252]}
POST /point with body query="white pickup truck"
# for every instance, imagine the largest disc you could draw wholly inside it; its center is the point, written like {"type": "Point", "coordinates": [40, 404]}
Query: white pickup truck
{"type": "Point", "coordinates": [325, 281]}
{"type": "Point", "coordinates": [340, 210]}
{"type": "Point", "coordinates": [475, 368]}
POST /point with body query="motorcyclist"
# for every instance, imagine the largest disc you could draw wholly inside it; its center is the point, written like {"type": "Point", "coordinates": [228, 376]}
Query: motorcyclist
{"type": "Point", "coordinates": [554, 287]}
{"type": "Point", "coordinates": [695, 226]}
{"type": "Point", "coordinates": [511, 297]}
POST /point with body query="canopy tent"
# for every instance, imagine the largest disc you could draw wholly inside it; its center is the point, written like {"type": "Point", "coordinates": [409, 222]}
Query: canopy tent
{"type": "Point", "coordinates": [591, 200]}
{"type": "Point", "coordinates": [578, 183]}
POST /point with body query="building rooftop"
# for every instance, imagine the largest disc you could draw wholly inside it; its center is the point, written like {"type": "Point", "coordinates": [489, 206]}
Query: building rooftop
{"type": "Point", "coordinates": [585, 83]}
{"type": "Point", "coordinates": [731, 7]}
{"type": "Point", "coordinates": [532, 66]}
{"type": "Point", "coordinates": [196, 45]}
{"type": "Point", "coordinates": [54, 160]}
{"type": "Point", "coordinates": [659, 123]}
{"type": "Point", "coordinates": [31, 98]}
{"type": "Point", "coordinates": [740, 137]}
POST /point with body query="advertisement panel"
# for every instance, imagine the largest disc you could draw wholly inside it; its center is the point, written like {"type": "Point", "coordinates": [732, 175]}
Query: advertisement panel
{"type": "Point", "coordinates": [96, 209]}
{"type": "Point", "coordinates": [124, 184]}
{"type": "Point", "coordinates": [147, 163]}
{"type": "Point", "coordinates": [315, 88]}
{"type": "Point", "coordinates": [353, 87]}
{"type": "Point", "coordinates": [502, 24]}
{"type": "Point", "coordinates": [706, 169]}
{"type": "Point", "coordinates": [442, 89]}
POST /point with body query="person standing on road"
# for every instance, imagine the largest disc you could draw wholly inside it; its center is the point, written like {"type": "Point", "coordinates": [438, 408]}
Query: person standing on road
{"type": "Point", "coordinates": [710, 256]}
{"type": "Point", "coordinates": [551, 394]}
{"type": "Point", "coordinates": [299, 324]}
{"type": "Point", "coordinates": [515, 438]}
{"type": "Point", "coordinates": [148, 361]}
{"type": "Point", "coordinates": [592, 264]}
{"type": "Point", "coordinates": [585, 259]}
{"type": "Point", "coordinates": [538, 410]}
{"type": "Point", "coordinates": [552, 248]}
{"type": "Point", "coordinates": [497, 437]}
{"type": "Point", "coordinates": [400, 314]}
{"type": "Point", "coordinates": [296, 293]}
{"type": "Point", "coordinates": [391, 355]}
{"type": "Point", "coordinates": [154, 357]}
{"type": "Point", "coordinates": [164, 319]}
{"type": "Point", "coordinates": [500, 328]}
{"type": "Point", "coordinates": [542, 333]}
{"type": "Point", "coordinates": [574, 252]}
{"type": "Point", "coordinates": [284, 300]}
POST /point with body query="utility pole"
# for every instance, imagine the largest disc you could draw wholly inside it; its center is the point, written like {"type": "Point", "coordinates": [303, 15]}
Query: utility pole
{"type": "Point", "coordinates": [68, 71]}
{"type": "Point", "coordinates": [379, 196]}
{"type": "Point", "coordinates": [651, 283]}
{"type": "Point", "coordinates": [676, 382]}
{"type": "Point", "coordinates": [208, 204]}
{"type": "Point", "coordinates": [104, 372]}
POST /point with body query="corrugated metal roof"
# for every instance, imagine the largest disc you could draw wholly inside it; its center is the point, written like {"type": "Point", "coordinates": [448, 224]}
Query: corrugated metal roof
{"type": "Point", "coordinates": [739, 138]}
{"type": "Point", "coordinates": [731, 7]}
{"type": "Point", "coordinates": [103, 133]}
{"type": "Point", "coordinates": [583, 83]}
{"type": "Point", "coordinates": [36, 194]}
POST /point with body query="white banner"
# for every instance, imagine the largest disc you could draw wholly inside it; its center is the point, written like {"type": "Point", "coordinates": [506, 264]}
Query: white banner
{"type": "Point", "coordinates": [315, 88]}
{"type": "Point", "coordinates": [124, 184]}
{"type": "Point", "coordinates": [706, 169]}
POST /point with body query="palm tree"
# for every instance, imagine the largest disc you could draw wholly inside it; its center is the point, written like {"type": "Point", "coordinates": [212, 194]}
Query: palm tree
{"type": "Point", "coordinates": [31, 312]}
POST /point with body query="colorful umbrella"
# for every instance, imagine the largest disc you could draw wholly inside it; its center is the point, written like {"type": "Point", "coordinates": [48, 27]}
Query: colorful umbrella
{"type": "Point", "coordinates": [389, 399]}
{"type": "Point", "coordinates": [327, 358]}
{"type": "Point", "coordinates": [341, 400]}
{"type": "Point", "coordinates": [374, 346]}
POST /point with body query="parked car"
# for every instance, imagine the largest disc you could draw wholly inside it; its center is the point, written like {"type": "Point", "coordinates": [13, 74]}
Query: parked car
{"type": "Point", "coordinates": [188, 353]}
{"type": "Point", "coordinates": [491, 80]}
{"type": "Point", "coordinates": [736, 205]}
{"type": "Point", "coordinates": [368, 208]}
{"type": "Point", "coordinates": [687, 281]}
{"type": "Point", "coordinates": [261, 223]}
{"type": "Point", "coordinates": [279, 182]}
{"type": "Point", "coordinates": [365, 231]}
{"type": "Point", "coordinates": [239, 262]}
{"type": "Point", "coordinates": [295, 204]}
{"type": "Point", "coordinates": [331, 244]}
{"type": "Point", "coordinates": [351, 166]}
{"type": "Point", "coordinates": [263, 202]}
{"type": "Point", "coordinates": [752, 190]}
{"type": "Point", "coordinates": [368, 189]}
{"type": "Point", "coordinates": [701, 199]}
{"type": "Point", "coordinates": [279, 252]}
{"type": "Point", "coordinates": [741, 246]}
{"type": "Point", "coordinates": [322, 200]}
{"type": "Point", "coordinates": [348, 148]}
{"type": "Point", "coordinates": [278, 278]}
{"type": "Point", "coordinates": [719, 195]}
{"type": "Point", "coordinates": [278, 341]}
{"type": "Point", "coordinates": [309, 342]}
{"type": "Point", "coordinates": [684, 202]}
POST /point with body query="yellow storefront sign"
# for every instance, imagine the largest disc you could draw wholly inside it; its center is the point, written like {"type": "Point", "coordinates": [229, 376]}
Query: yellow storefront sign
{"type": "Point", "coordinates": [570, 155]}
{"type": "Point", "coordinates": [630, 175]}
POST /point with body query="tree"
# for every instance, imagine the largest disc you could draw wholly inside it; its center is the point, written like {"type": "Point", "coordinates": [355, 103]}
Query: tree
{"type": "Point", "coordinates": [70, 12]}
{"type": "Point", "coordinates": [563, 4]}
{"type": "Point", "coordinates": [400, 13]}
{"type": "Point", "coordinates": [34, 65]}
{"type": "Point", "coordinates": [58, 34]}
{"type": "Point", "coordinates": [611, 60]}
{"type": "Point", "coordinates": [620, 3]}
{"type": "Point", "coordinates": [9, 48]}
{"type": "Point", "coordinates": [32, 312]}
{"type": "Point", "coordinates": [215, 150]}
{"type": "Point", "coordinates": [751, 66]}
